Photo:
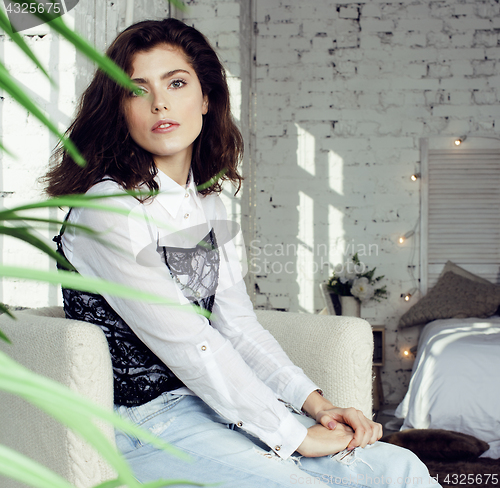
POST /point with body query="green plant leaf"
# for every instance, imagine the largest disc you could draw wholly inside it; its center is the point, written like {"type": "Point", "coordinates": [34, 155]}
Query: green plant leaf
{"type": "Point", "coordinates": [4, 309]}
{"type": "Point", "coordinates": [19, 40]}
{"type": "Point", "coordinates": [103, 62]}
{"type": "Point", "coordinates": [11, 86]}
{"type": "Point", "coordinates": [84, 201]}
{"type": "Point", "coordinates": [212, 180]}
{"type": "Point", "coordinates": [154, 484]}
{"type": "Point", "coordinates": [109, 484]}
{"type": "Point", "coordinates": [161, 483]}
{"type": "Point", "coordinates": [179, 4]}
{"type": "Point", "coordinates": [84, 228]}
{"type": "Point", "coordinates": [23, 234]}
{"type": "Point", "coordinates": [85, 427]}
{"type": "Point", "coordinates": [87, 201]}
{"type": "Point", "coordinates": [20, 381]}
{"type": "Point", "coordinates": [19, 467]}
{"type": "Point", "coordinates": [46, 220]}
{"type": "Point", "coordinates": [5, 150]}
{"type": "Point", "coordinates": [75, 281]}
{"type": "Point", "coordinates": [94, 234]}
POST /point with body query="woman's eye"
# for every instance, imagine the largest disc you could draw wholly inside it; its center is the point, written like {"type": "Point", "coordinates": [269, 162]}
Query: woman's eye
{"type": "Point", "coordinates": [140, 92]}
{"type": "Point", "coordinates": [177, 83]}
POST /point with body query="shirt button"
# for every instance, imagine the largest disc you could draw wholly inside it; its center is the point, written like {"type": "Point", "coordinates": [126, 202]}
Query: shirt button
{"type": "Point", "coordinates": [203, 348]}
{"type": "Point", "coordinates": [186, 216]}
{"type": "Point", "coordinates": [186, 195]}
{"type": "Point", "coordinates": [277, 448]}
{"type": "Point", "coordinates": [239, 424]}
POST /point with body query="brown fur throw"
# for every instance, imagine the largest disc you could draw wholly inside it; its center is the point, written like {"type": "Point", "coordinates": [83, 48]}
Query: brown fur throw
{"type": "Point", "coordinates": [438, 444]}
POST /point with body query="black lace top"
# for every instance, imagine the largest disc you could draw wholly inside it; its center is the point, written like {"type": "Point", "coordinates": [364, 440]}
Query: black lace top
{"type": "Point", "coordinates": [139, 375]}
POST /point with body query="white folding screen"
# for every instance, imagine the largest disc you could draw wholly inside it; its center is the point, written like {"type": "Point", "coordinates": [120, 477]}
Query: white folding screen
{"type": "Point", "coordinates": [460, 208]}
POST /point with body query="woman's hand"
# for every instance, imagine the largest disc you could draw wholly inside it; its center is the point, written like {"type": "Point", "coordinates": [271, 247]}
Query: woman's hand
{"type": "Point", "coordinates": [321, 441]}
{"type": "Point", "coordinates": [365, 430]}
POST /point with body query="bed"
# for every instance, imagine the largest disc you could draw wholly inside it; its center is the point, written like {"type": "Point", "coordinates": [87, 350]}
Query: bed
{"type": "Point", "coordinates": [455, 382]}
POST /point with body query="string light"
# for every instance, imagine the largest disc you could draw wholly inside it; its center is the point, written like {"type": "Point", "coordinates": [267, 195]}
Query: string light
{"type": "Point", "coordinates": [402, 239]}
{"type": "Point", "coordinates": [459, 140]}
{"type": "Point", "coordinates": [411, 268]}
{"type": "Point", "coordinates": [409, 352]}
{"type": "Point", "coordinates": [415, 176]}
{"type": "Point", "coordinates": [407, 296]}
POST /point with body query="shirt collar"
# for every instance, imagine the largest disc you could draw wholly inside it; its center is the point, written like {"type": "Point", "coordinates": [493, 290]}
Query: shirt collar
{"type": "Point", "coordinates": [172, 195]}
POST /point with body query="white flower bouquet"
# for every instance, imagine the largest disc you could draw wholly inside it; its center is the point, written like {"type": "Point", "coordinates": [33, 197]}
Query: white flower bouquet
{"type": "Point", "coordinates": [351, 279]}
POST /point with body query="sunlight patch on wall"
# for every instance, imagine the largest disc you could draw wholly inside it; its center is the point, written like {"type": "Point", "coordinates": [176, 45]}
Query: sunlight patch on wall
{"type": "Point", "coordinates": [305, 253]}
{"type": "Point", "coordinates": [335, 172]}
{"type": "Point", "coordinates": [231, 202]}
{"type": "Point", "coordinates": [234, 84]}
{"type": "Point", "coordinates": [336, 236]}
{"type": "Point", "coordinates": [306, 150]}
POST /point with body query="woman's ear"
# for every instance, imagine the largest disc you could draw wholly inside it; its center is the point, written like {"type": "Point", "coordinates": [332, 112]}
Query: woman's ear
{"type": "Point", "coordinates": [204, 107]}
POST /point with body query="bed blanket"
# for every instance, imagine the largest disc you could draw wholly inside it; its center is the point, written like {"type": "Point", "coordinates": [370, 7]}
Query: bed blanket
{"type": "Point", "coordinates": [455, 383]}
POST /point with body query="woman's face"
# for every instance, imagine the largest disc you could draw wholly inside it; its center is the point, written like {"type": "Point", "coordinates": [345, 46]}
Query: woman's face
{"type": "Point", "coordinates": [168, 118]}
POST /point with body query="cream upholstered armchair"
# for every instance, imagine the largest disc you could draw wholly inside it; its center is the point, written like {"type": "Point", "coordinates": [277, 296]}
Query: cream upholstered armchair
{"type": "Point", "coordinates": [335, 352]}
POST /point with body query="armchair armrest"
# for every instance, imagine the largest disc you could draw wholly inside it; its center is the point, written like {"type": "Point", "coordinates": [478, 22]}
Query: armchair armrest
{"type": "Point", "coordinates": [70, 352]}
{"type": "Point", "coordinates": [334, 351]}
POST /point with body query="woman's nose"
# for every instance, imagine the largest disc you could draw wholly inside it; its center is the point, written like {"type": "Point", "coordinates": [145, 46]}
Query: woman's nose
{"type": "Point", "coordinates": [159, 104]}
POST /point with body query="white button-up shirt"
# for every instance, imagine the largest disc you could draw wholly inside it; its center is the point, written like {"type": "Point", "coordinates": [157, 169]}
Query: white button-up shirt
{"type": "Point", "coordinates": [231, 362]}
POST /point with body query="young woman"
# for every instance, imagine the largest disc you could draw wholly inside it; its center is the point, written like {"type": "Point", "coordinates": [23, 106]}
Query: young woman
{"type": "Point", "coordinates": [219, 388]}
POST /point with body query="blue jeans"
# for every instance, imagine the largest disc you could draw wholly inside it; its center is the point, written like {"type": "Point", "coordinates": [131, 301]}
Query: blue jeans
{"type": "Point", "coordinates": [223, 453]}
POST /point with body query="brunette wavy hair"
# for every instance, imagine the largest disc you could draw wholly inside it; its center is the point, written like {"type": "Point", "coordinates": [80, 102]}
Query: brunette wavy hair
{"type": "Point", "coordinates": [100, 131]}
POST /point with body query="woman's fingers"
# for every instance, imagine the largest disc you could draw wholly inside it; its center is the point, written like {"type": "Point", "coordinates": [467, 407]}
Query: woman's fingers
{"type": "Point", "coordinates": [362, 429]}
{"type": "Point", "coordinates": [327, 420]}
{"type": "Point", "coordinates": [323, 442]}
{"type": "Point", "coordinates": [365, 431]}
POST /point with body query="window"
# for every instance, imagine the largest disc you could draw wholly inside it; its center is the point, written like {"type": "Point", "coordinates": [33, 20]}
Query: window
{"type": "Point", "coordinates": [460, 200]}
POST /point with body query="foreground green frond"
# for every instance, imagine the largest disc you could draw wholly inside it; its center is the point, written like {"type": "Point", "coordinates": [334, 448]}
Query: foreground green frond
{"type": "Point", "coordinates": [58, 222]}
{"type": "Point", "coordinates": [103, 62]}
{"type": "Point", "coordinates": [49, 400]}
{"type": "Point", "coordinates": [212, 180]}
{"type": "Point", "coordinates": [24, 234]}
{"type": "Point", "coordinates": [19, 40]}
{"type": "Point", "coordinates": [21, 468]}
{"type": "Point", "coordinates": [48, 394]}
{"type": "Point", "coordinates": [179, 4]}
{"type": "Point", "coordinates": [76, 201]}
{"type": "Point", "coordinates": [154, 484]}
{"type": "Point", "coordinates": [162, 483]}
{"type": "Point", "coordinates": [3, 337]}
{"type": "Point", "coordinates": [74, 281]}
{"type": "Point", "coordinates": [86, 201]}
{"type": "Point", "coordinates": [11, 86]}
{"type": "Point", "coordinates": [7, 151]}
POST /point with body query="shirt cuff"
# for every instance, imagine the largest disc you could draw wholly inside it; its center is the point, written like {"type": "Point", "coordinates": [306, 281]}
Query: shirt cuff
{"type": "Point", "coordinates": [297, 391]}
{"type": "Point", "coordinates": [287, 439]}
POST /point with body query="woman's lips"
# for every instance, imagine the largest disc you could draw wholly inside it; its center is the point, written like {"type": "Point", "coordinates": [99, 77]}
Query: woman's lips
{"type": "Point", "coordinates": [163, 126]}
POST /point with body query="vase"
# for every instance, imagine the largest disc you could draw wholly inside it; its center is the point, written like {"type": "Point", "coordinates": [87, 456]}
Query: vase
{"type": "Point", "coordinates": [350, 306]}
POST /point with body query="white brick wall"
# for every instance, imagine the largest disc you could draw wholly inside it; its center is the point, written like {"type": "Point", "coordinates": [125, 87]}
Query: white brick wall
{"type": "Point", "coordinates": [339, 94]}
{"type": "Point", "coordinates": [365, 80]}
